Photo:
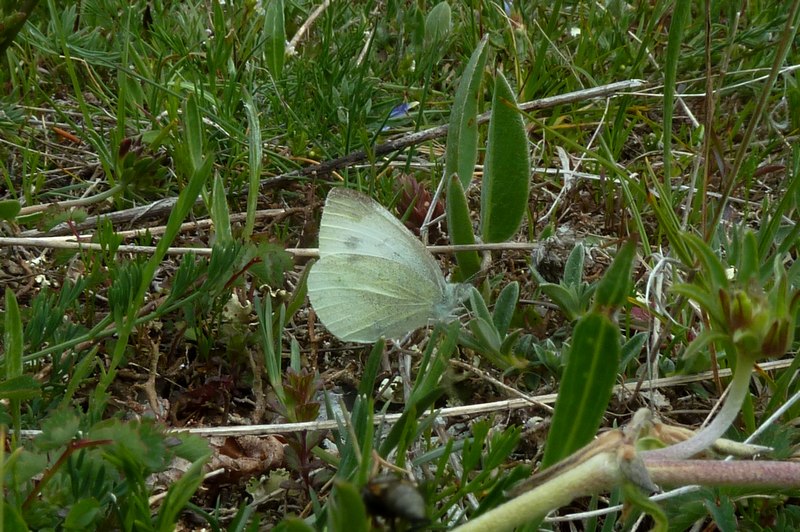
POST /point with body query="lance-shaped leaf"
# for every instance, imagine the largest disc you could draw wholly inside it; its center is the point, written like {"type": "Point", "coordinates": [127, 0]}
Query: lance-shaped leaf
{"type": "Point", "coordinates": [462, 132]}
{"type": "Point", "coordinates": [459, 226]}
{"type": "Point", "coordinates": [274, 37]}
{"type": "Point", "coordinates": [504, 195]}
{"type": "Point", "coordinates": [586, 387]}
{"type": "Point", "coordinates": [437, 24]}
{"type": "Point", "coordinates": [616, 284]}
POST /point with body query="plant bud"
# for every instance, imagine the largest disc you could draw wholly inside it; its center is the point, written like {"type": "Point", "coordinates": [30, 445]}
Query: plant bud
{"type": "Point", "coordinates": [741, 311]}
{"type": "Point", "coordinates": [778, 339]}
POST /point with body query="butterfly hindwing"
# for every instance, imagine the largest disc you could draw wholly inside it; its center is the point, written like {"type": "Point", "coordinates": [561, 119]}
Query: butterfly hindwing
{"type": "Point", "coordinates": [360, 300]}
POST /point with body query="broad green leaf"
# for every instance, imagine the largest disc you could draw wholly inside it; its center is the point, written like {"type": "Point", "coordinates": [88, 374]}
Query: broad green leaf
{"type": "Point", "coordinates": [191, 447]}
{"type": "Point", "coordinates": [478, 305]}
{"type": "Point", "coordinates": [462, 131]}
{"type": "Point", "coordinates": [565, 298]}
{"type": "Point", "coordinates": [631, 349]}
{"type": "Point", "coordinates": [12, 519]}
{"type": "Point", "coordinates": [505, 306]}
{"type": "Point", "coordinates": [9, 209]}
{"type": "Point", "coordinates": [274, 37]}
{"type": "Point", "coordinates": [437, 24]}
{"type": "Point", "coordinates": [637, 499]}
{"type": "Point", "coordinates": [723, 513]}
{"type": "Point", "coordinates": [573, 269]}
{"type": "Point", "coordinates": [614, 287]}
{"type": "Point", "coordinates": [460, 227]}
{"type": "Point", "coordinates": [506, 171]}
{"type": "Point", "coordinates": [275, 262]}
{"type": "Point", "coordinates": [707, 301]}
{"type": "Point", "coordinates": [485, 333]}
{"type": "Point", "coordinates": [702, 341]}
{"type": "Point", "coordinates": [510, 341]}
{"type": "Point", "coordinates": [585, 388]}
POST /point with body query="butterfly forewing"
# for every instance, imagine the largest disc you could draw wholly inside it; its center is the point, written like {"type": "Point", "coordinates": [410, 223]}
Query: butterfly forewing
{"type": "Point", "coordinates": [354, 224]}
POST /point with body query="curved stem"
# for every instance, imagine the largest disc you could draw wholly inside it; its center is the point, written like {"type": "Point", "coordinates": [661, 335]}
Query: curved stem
{"type": "Point", "coordinates": [595, 474]}
{"type": "Point", "coordinates": [707, 436]}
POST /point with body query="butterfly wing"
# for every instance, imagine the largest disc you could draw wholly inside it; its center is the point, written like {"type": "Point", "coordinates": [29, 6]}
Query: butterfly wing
{"type": "Point", "coordinates": [354, 224]}
{"type": "Point", "coordinates": [374, 277]}
{"type": "Point", "coordinates": [360, 298]}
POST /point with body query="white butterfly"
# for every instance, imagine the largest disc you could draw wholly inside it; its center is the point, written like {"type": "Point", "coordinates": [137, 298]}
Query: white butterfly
{"type": "Point", "coordinates": [374, 278]}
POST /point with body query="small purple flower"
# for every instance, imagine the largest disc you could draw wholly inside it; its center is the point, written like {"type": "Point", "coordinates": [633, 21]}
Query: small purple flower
{"type": "Point", "coordinates": [399, 110]}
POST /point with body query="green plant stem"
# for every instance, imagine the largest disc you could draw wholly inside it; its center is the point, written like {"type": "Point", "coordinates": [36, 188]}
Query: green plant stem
{"type": "Point", "coordinates": [702, 440]}
{"type": "Point", "coordinates": [717, 473]}
{"type": "Point", "coordinates": [595, 474]}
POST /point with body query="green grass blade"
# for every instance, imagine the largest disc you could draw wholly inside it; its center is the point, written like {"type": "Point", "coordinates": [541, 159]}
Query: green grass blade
{"type": "Point", "coordinates": [255, 151]}
{"type": "Point", "coordinates": [680, 19]}
{"type": "Point", "coordinates": [219, 213]}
